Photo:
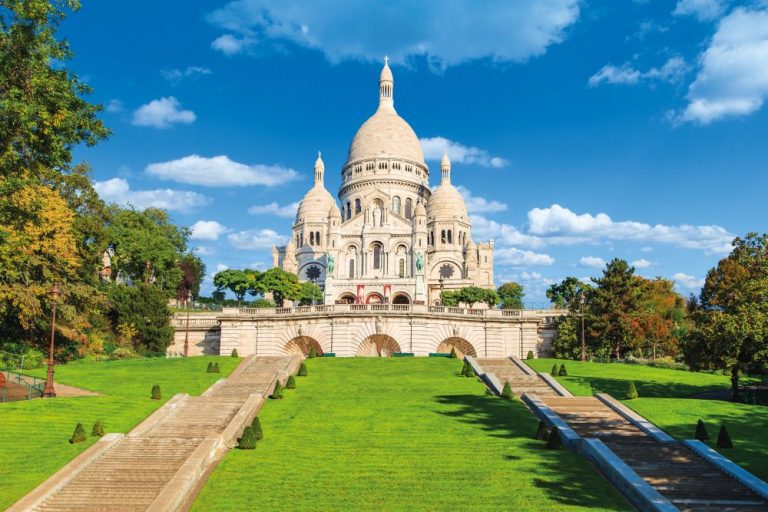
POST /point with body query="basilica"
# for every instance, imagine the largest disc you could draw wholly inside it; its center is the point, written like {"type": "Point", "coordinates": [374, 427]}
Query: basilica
{"type": "Point", "coordinates": [390, 238]}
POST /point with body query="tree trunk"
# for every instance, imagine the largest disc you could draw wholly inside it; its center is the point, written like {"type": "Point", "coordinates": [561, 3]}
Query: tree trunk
{"type": "Point", "coordinates": [735, 383]}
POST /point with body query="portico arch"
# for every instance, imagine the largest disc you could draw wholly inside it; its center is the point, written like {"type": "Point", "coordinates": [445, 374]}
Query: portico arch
{"type": "Point", "coordinates": [378, 345]}
{"type": "Point", "coordinates": [462, 347]}
{"type": "Point", "coordinates": [374, 298]}
{"type": "Point", "coordinates": [300, 345]}
{"type": "Point", "coordinates": [346, 298]}
{"type": "Point", "coordinates": [401, 298]}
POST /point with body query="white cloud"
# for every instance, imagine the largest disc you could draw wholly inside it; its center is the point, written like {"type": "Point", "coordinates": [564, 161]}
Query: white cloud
{"type": "Point", "coordinates": [703, 10]}
{"type": "Point", "coordinates": [560, 225]}
{"type": "Point", "coordinates": [162, 113]}
{"type": "Point", "coordinates": [207, 230]}
{"type": "Point", "coordinates": [444, 33]}
{"type": "Point", "coordinates": [256, 239]}
{"type": "Point", "coordinates": [220, 171]}
{"type": "Point", "coordinates": [592, 261]}
{"type": "Point", "coordinates": [477, 204]}
{"type": "Point", "coordinates": [203, 250]}
{"type": "Point", "coordinates": [672, 71]}
{"type": "Point", "coordinates": [519, 257]}
{"type": "Point", "coordinates": [259, 265]}
{"type": "Point", "coordinates": [114, 106]}
{"type": "Point", "coordinates": [646, 249]}
{"type": "Point", "coordinates": [687, 281]}
{"type": "Point", "coordinates": [288, 211]}
{"type": "Point", "coordinates": [176, 75]}
{"type": "Point", "coordinates": [733, 79]}
{"type": "Point", "coordinates": [117, 190]}
{"type": "Point", "coordinates": [641, 263]}
{"type": "Point", "coordinates": [435, 147]}
{"type": "Point", "coordinates": [505, 234]}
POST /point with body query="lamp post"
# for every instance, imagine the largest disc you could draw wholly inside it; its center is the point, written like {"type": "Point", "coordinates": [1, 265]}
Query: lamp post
{"type": "Point", "coordinates": [582, 301]}
{"type": "Point", "coordinates": [50, 391]}
{"type": "Point", "coordinates": [441, 289]}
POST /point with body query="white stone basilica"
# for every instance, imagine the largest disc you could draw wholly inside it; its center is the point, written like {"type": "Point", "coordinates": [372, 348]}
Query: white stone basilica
{"type": "Point", "coordinates": [393, 239]}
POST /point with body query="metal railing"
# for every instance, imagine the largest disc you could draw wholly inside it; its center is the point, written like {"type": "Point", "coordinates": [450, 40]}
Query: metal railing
{"type": "Point", "coordinates": [18, 386]}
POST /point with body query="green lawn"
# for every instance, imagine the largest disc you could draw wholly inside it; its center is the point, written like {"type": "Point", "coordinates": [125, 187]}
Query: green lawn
{"type": "Point", "coordinates": [664, 401]}
{"type": "Point", "coordinates": [34, 434]}
{"type": "Point", "coordinates": [400, 434]}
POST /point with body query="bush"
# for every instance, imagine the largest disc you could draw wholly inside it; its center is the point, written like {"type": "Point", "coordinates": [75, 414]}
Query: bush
{"type": "Point", "coordinates": [79, 435]}
{"type": "Point", "coordinates": [210, 368]}
{"type": "Point", "coordinates": [701, 432]}
{"type": "Point", "coordinates": [124, 353]}
{"type": "Point", "coordinates": [257, 431]}
{"type": "Point", "coordinates": [464, 368]}
{"type": "Point", "coordinates": [290, 383]}
{"type": "Point", "coordinates": [470, 372]}
{"type": "Point", "coordinates": [723, 438]}
{"type": "Point", "coordinates": [277, 393]}
{"type": "Point", "coordinates": [542, 432]}
{"type": "Point", "coordinates": [248, 440]}
{"type": "Point", "coordinates": [453, 355]}
{"type": "Point", "coordinates": [312, 352]}
{"type": "Point", "coordinates": [507, 392]}
{"type": "Point", "coordinates": [553, 441]}
{"type": "Point", "coordinates": [562, 372]}
{"type": "Point", "coordinates": [303, 370]}
{"type": "Point", "coordinates": [555, 371]}
{"type": "Point", "coordinates": [98, 429]}
{"type": "Point", "coordinates": [530, 355]}
{"type": "Point", "coordinates": [216, 368]}
{"type": "Point", "coordinates": [631, 391]}
{"type": "Point", "coordinates": [156, 392]}
{"type": "Point", "coordinates": [234, 353]}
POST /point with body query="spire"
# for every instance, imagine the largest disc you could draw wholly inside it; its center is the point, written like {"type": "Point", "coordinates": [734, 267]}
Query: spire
{"type": "Point", "coordinates": [319, 170]}
{"type": "Point", "coordinates": [445, 168]}
{"type": "Point", "coordinates": [386, 86]}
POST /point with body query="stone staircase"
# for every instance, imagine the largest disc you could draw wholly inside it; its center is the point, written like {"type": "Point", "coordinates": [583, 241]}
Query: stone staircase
{"type": "Point", "coordinates": [520, 381]}
{"type": "Point", "coordinates": [159, 464]}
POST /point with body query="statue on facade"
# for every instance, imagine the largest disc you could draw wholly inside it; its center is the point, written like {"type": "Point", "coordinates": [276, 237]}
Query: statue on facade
{"type": "Point", "coordinates": [330, 263]}
{"type": "Point", "coordinates": [419, 261]}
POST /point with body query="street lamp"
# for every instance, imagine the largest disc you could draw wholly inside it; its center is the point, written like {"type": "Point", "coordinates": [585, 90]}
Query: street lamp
{"type": "Point", "coordinates": [582, 301]}
{"type": "Point", "coordinates": [50, 391]}
{"type": "Point", "coordinates": [441, 289]}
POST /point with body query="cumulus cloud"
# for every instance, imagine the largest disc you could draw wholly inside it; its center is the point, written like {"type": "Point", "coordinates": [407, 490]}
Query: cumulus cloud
{"type": "Point", "coordinates": [687, 281]}
{"type": "Point", "coordinates": [207, 230]}
{"type": "Point", "coordinates": [505, 234]}
{"type": "Point", "coordinates": [256, 239]}
{"type": "Point", "coordinates": [592, 261]}
{"type": "Point", "coordinates": [444, 33]}
{"type": "Point", "coordinates": [733, 78]}
{"type": "Point", "coordinates": [118, 191]}
{"type": "Point", "coordinates": [435, 147]}
{"type": "Point", "coordinates": [518, 257]}
{"type": "Point", "coordinates": [114, 106]}
{"type": "Point", "coordinates": [288, 211]}
{"type": "Point", "coordinates": [203, 250]}
{"type": "Point", "coordinates": [477, 204]}
{"type": "Point", "coordinates": [176, 75]}
{"type": "Point", "coordinates": [672, 71]}
{"type": "Point", "coordinates": [162, 113]}
{"type": "Point", "coordinates": [703, 10]}
{"type": "Point", "coordinates": [641, 263]}
{"type": "Point", "coordinates": [220, 171]}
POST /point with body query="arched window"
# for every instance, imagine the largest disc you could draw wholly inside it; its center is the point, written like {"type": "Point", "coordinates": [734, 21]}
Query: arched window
{"type": "Point", "coordinates": [298, 241]}
{"type": "Point", "coordinates": [450, 241]}
{"type": "Point", "coordinates": [376, 256]}
{"type": "Point", "coordinates": [396, 205]}
{"type": "Point", "coordinates": [352, 268]}
{"type": "Point", "coordinates": [311, 238]}
{"type": "Point", "coordinates": [349, 210]}
{"type": "Point", "coordinates": [301, 240]}
{"type": "Point", "coordinates": [317, 238]}
{"type": "Point", "coordinates": [402, 267]}
{"type": "Point", "coordinates": [408, 208]}
{"type": "Point", "coordinates": [442, 236]}
{"type": "Point", "coordinates": [358, 206]}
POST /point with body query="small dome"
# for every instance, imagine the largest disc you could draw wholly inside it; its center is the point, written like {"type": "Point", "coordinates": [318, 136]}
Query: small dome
{"type": "Point", "coordinates": [445, 161]}
{"type": "Point", "coordinates": [386, 73]}
{"type": "Point", "coordinates": [334, 212]}
{"type": "Point", "coordinates": [420, 210]}
{"type": "Point", "coordinates": [315, 205]}
{"type": "Point", "coordinates": [446, 203]}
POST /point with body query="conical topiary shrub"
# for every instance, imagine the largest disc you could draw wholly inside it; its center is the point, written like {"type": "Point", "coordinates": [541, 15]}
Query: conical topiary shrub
{"type": "Point", "coordinates": [234, 352]}
{"type": "Point", "coordinates": [303, 370]}
{"type": "Point", "coordinates": [507, 392]}
{"type": "Point", "coordinates": [79, 435]}
{"type": "Point", "coordinates": [453, 355]}
{"type": "Point", "coordinates": [562, 372]}
{"type": "Point", "coordinates": [257, 431]}
{"type": "Point", "coordinates": [724, 438]}
{"type": "Point", "coordinates": [98, 429]}
{"type": "Point", "coordinates": [542, 432]}
{"type": "Point", "coordinates": [216, 368]}
{"type": "Point", "coordinates": [156, 395]}
{"type": "Point", "coordinates": [470, 371]}
{"type": "Point", "coordinates": [701, 431]}
{"type": "Point", "coordinates": [312, 352]}
{"type": "Point", "coordinates": [530, 355]}
{"type": "Point", "coordinates": [248, 440]}
{"type": "Point", "coordinates": [210, 367]}
{"type": "Point", "coordinates": [277, 393]}
{"type": "Point", "coordinates": [290, 383]}
{"type": "Point", "coordinates": [555, 371]}
{"type": "Point", "coordinates": [631, 391]}
{"type": "Point", "coordinates": [553, 441]}
{"type": "Point", "coordinates": [463, 369]}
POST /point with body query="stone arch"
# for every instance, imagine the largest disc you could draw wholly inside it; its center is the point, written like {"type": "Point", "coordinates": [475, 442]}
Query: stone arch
{"type": "Point", "coordinates": [374, 298]}
{"type": "Point", "coordinates": [401, 298]}
{"type": "Point", "coordinates": [346, 298]}
{"type": "Point", "coordinates": [462, 347]}
{"type": "Point", "coordinates": [300, 345]}
{"type": "Point", "coordinates": [378, 345]}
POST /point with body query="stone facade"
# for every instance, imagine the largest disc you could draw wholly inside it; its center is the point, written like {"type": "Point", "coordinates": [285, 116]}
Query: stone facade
{"type": "Point", "coordinates": [394, 239]}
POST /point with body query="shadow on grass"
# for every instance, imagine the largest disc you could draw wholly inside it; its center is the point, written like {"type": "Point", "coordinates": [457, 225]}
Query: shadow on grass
{"type": "Point", "coordinates": [562, 473]}
{"type": "Point", "coordinates": [617, 388]}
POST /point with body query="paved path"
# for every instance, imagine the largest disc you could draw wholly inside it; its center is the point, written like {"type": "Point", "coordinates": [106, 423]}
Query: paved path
{"type": "Point", "coordinates": [162, 461]}
{"type": "Point", "coordinates": [520, 381]}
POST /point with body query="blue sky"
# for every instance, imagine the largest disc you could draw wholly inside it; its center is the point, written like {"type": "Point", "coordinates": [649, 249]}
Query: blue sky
{"type": "Point", "coordinates": [579, 131]}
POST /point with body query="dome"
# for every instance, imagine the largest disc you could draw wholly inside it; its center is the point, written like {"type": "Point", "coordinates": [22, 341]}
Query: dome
{"type": "Point", "coordinates": [315, 205]}
{"type": "Point", "coordinates": [334, 212]}
{"type": "Point", "coordinates": [385, 134]}
{"type": "Point", "coordinates": [446, 203]}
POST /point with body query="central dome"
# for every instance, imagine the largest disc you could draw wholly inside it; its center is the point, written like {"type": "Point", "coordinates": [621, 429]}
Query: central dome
{"type": "Point", "coordinates": [385, 134]}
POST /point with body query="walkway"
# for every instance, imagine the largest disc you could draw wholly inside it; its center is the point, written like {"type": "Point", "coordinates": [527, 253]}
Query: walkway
{"type": "Point", "coordinates": [521, 378]}
{"type": "Point", "coordinates": [161, 462]}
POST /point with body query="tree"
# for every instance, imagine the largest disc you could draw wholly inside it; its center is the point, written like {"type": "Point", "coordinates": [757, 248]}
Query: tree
{"type": "Point", "coordinates": [662, 316]}
{"type": "Point", "coordinates": [281, 284]}
{"type": "Point", "coordinates": [511, 295]}
{"type": "Point", "coordinates": [238, 282]}
{"type": "Point", "coordinates": [471, 295]}
{"type": "Point", "coordinates": [449, 298]}
{"type": "Point", "coordinates": [192, 273]}
{"type": "Point", "coordinates": [565, 294]}
{"type": "Point", "coordinates": [146, 308]}
{"type": "Point", "coordinates": [310, 293]}
{"type": "Point", "coordinates": [731, 324]}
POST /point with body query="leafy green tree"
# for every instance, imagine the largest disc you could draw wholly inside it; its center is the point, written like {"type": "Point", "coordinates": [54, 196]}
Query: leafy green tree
{"type": "Point", "coordinates": [565, 294]}
{"type": "Point", "coordinates": [281, 284]}
{"type": "Point", "coordinates": [511, 295]}
{"type": "Point", "coordinates": [238, 282]}
{"type": "Point", "coordinates": [146, 308]}
{"type": "Point", "coordinates": [471, 295]}
{"type": "Point", "coordinates": [449, 298]}
{"type": "Point", "coordinates": [310, 293]}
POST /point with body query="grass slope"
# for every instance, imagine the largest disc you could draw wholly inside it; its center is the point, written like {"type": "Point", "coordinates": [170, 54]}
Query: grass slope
{"type": "Point", "coordinates": [664, 400]}
{"type": "Point", "coordinates": [34, 434]}
{"type": "Point", "coordinates": [400, 434]}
